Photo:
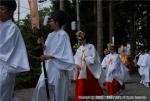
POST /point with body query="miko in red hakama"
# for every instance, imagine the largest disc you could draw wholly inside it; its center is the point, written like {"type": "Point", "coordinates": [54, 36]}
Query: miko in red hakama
{"type": "Point", "coordinates": [87, 87]}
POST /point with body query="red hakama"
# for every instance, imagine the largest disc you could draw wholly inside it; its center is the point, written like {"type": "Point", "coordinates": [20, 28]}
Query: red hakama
{"type": "Point", "coordinates": [87, 87]}
{"type": "Point", "coordinates": [112, 87]}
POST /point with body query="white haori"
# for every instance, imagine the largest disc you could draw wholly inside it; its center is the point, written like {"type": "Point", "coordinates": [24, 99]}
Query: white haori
{"type": "Point", "coordinates": [57, 46]}
{"type": "Point", "coordinates": [122, 73]}
{"type": "Point", "coordinates": [13, 58]}
{"type": "Point", "coordinates": [12, 47]}
{"type": "Point", "coordinates": [144, 63]}
{"type": "Point", "coordinates": [104, 65]}
{"type": "Point", "coordinates": [141, 64]}
{"type": "Point", "coordinates": [148, 71]}
{"type": "Point", "coordinates": [115, 68]}
{"type": "Point", "coordinates": [92, 61]}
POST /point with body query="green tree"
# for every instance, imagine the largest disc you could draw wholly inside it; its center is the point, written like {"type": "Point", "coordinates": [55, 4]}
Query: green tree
{"type": "Point", "coordinates": [29, 79]}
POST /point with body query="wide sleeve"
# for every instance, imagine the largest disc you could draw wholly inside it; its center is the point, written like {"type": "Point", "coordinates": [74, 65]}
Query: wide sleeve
{"type": "Point", "coordinates": [117, 62]}
{"type": "Point", "coordinates": [114, 63]}
{"type": "Point", "coordinates": [148, 60]}
{"type": "Point", "coordinates": [104, 62]}
{"type": "Point", "coordinates": [77, 56]}
{"type": "Point", "coordinates": [8, 41]}
{"type": "Point", "coordinates": [142, 60]}
{"type": "Point", "coordinates": [59, 47]}
{"type": "Point", "coordinates": [61, 65]}
{"type": "Point", "coordinates": [139, 60]}
{"type": "Point", "coordinates": [121, 70]}
{"type": "Point", "coordinates": [145, 60]}
{"type": "Point", "coordinates": [19, 58]}
{"type": "Point", "coordinates": [13, 51]}
{"type": "Point", "coordinates": [90, 55]}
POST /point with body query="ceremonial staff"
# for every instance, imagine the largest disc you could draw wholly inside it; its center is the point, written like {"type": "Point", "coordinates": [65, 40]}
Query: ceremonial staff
{"type": "Point", "coordinates": [35, 26]}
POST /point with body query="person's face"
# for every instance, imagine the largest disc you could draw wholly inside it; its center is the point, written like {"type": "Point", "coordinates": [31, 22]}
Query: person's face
{"type": "Point", "coordinates": [123, 52]}
{"type": "Point", "coordinates": [53, 24]}
{"type": "Point", "coordinates": [4, 13]}
{"type": "Point", "coordinates": [111, 50]}
{"type": "Point", "coordinates": [82, 41]}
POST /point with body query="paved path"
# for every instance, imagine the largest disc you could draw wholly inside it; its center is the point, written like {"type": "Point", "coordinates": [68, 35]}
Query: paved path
{"type": "Point", "coordinates": [136, 91]}
{"type": "Point", "coordinates": [133, 92]}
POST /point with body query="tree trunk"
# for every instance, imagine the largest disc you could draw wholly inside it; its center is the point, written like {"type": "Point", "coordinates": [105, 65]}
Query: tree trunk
{"type": "Point", "coordinates": [61, 5]}
{"type": "Point", "coordinates": [99, 28]}
{"type": "Point", "coordinates": [133, 35]}
{"type": "Point", "coordinates": [111, 27]}
{"type": "Point", "coordinates": [78, 16]}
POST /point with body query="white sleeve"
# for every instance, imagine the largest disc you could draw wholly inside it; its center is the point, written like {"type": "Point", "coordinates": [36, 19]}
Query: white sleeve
{"type": "Point", "coordinates": [104, 62]}
{"type": "Point", "coordinates": [148, 60]}
{"type": "Point", "coordinates": [144, 61]}
{"type": "Point", "coordinates": [77, 56]}
{"type": "Point", "coordinates": [61, 65]}
{"type": "Point", "coordinates": [90, 58]}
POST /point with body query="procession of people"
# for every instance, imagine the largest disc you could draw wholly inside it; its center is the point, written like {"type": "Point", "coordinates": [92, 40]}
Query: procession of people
{"type": "Point", "coordinates": [91, 73]}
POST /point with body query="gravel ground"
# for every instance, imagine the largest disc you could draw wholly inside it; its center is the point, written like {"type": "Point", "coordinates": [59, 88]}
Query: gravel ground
{"type": "Point", "coordinates": [133, 92]}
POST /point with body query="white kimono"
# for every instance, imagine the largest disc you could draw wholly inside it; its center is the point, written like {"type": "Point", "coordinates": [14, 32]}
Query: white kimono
{"type": "Point", "coordinates": [92, 61]}
{"type": "Point", "coordinates": [13, 58]}
{"type": "Point", "coordinates": [144, 64]}
{"type": "Point", "coordinates": [57, 46]}
{"type": "Point", "coordinates": [148, 62]}
{"type": "Point", "coordinates": [115, 68]}
{"type": "Point", "coordinates": [104, 66]}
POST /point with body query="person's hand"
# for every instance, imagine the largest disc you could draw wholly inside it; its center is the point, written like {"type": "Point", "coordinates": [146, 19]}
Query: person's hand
{"type": "Point", "coordinates": [78, 67]}
{"type": "Point", "coordinates": [40, 40]}
{"type": "Point", "coordinates": [43, 57]}
{"type": "Point", "coordinates": [50, 57]}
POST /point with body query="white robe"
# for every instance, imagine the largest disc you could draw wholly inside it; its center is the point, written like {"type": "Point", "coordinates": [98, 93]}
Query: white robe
{"type": "Point", "coordinates": [92, 61]}
{"type": "Point", "coordinates": [144, 64]}
{"type": "Point", "coordinates": [58, 46]}
{"type": "Point", "coordinates": [13, 58]}
{"type": "Point", "coordinates": [148, 62]}
{"type": "Point", "coordinates": [115, 68]}
{"type": "Point", "coordinates": [104, 66]}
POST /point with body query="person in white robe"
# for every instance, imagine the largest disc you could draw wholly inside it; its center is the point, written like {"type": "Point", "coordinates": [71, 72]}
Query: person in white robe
{"type": "Point", "coordinates": [116, 72]}
{"type": "Point", "coordinates": [148, 61]}
{"type": "Point", "coordinates": [143, 63]}
{"type": "Point", "coordinates": [13, 54]}
{"type": "Point", "coordinates": [59, 61]}
{"type": "Point", "coordinates": [87, 77]}
{"type": "Point", "coordinates": [104, 65]}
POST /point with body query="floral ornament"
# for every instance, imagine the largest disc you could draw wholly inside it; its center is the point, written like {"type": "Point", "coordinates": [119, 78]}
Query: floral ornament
{"type": "Point", "coordinates": [122, 48]}
{"type": "Point", "coordinates": [80, 35]}
{"type": "Point", "coordinates": [106, 51]}
{"type": "Point", "coordinates": [110, 46]}
{"type": "Point", "coordinates": [75, 46]}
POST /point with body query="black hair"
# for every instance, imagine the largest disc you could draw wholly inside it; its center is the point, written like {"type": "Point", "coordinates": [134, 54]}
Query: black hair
{"type": "Point", "coordinates": [9, 4]}
{"type": "Point", "coordinates": [59, 16]}
{"type": "Point", "coordinates": [142, 48]}
{"type": "Point", "coordinates": [87, 36]}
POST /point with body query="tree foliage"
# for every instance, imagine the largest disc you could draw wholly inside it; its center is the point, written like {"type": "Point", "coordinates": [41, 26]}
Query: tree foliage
{"type": "Point", "coordinates": [29, 79]}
